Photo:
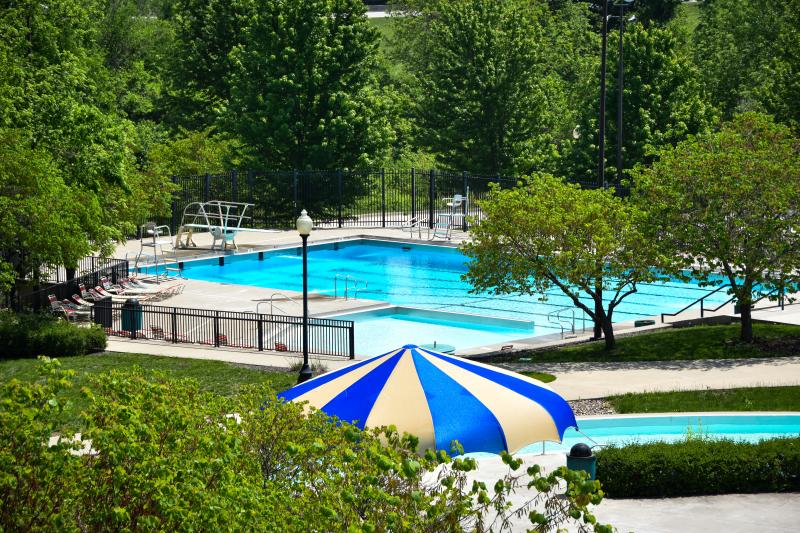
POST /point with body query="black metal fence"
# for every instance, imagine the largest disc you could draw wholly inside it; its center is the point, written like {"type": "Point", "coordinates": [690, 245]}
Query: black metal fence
{"type": "Point", "coordinates": [249, 331]}
{"type": "Point", "coordinates": [338, 198]}
{"type": "Point", "coordinates": [91, 270]}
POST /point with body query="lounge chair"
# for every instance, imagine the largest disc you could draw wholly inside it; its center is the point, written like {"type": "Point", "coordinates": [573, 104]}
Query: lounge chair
{"type": "Point", "coordinates": [80, 301]}
{"type": "Point", "coordinates": [71, 313]}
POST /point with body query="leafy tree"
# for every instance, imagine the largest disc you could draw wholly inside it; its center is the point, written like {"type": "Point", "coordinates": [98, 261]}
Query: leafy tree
{"type": "Point", "coordinates": [546, 233]}
{"type": "Point", "coordinates": [164, 456]}
{"type": "Point", "coordinates": [482, 81]}
{"type": "Point", "coordinates": [41, 218]}
{"type": "Point", "coordinates": [664, 102]}
{"type": "Point", "coordinates": [136, 40]}
{"type": "Point", "coordinates": [206, 32]}
{"type": "Point", "coordinates": [303, 86]}
{"type": "Point", "coordinates": [724, 206]}
{"type": "Point", "coordinates": [752, 66]}
{"type": "Point", "coordinates": [57, 104]}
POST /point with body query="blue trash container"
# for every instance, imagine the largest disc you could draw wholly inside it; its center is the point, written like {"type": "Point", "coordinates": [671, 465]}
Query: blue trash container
{"type": "Point", "coordinates": [580, 457]}
{"type": "Point", "coordinates": [132, 316]}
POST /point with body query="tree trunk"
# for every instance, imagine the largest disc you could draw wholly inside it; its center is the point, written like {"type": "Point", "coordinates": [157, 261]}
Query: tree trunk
{"type": "Point", "coordinates": [747, 321]}
{"type": "Point", "coordinates": [598, 310]}
{"type": "Point", "coordinates": [608, 331]}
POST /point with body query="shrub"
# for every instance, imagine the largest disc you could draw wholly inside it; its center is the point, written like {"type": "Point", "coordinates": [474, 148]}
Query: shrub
{"type": "Point", "coordinates": [165, 456]}
{"type": "Point", "coordinates": [700, 466]}
{"type": "Point", "coordinates": [31, 335]}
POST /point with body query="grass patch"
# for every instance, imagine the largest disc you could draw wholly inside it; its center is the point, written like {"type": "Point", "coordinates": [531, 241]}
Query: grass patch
{"type": "Point", "coordinates": [214, 376]}
{"type": "Point", "coordinates": [746, 399]}
{"type": "Point", "coordinates": [541, 376]}
{"type": "Point", "coordinates": [680, 344]}
{"type": "Point", "coordinates": [688, 15]}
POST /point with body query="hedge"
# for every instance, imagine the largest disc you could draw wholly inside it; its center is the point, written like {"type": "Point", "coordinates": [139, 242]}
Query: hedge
{"type": "Point", "coordinates": [699, 466]}
{"type": "Point", "coordinates": [31, 335]}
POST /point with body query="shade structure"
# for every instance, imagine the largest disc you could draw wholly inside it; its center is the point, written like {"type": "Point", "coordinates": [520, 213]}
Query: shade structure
{"type": "Point", "coordinates": [440, 398]}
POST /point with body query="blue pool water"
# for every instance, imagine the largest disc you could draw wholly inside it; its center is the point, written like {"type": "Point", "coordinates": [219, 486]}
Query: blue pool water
{"type": "Point", "coordinates": [427, 277]}
{"type": "Point", "coordinates": [671, 428]}
{"type": "Point", "coordinates": [380, 331]}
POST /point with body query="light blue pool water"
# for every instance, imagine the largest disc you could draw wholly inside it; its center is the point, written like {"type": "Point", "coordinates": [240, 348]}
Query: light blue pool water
{"type": "Point", "coordinates": [427, 277]}
{"type": "Point", "coordinates": [383, 330]}
{"type": "Point", "coordinates": [668, 428]}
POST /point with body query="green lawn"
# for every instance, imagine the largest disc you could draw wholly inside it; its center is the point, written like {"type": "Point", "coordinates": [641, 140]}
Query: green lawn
{"type": "Point", "coordinates": [215, 376]}
{"type": "Point", "coordinates": [748, 399]}
{"type": "Point", "coordinates": [700, 342]}
{"type": "Point", "coordinates": [689, 16]}
{"type": "Point", "coordinates": [541, 376]}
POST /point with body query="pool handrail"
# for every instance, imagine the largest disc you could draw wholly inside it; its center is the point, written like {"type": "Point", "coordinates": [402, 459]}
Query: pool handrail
{"type": "Point", "coordinates": [701, 301]}
{"type": "Point", "coordinates": [347, 278]}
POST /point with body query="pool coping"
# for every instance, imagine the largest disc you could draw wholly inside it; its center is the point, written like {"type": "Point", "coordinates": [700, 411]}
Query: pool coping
{"type": "Point", "coordinates": [688, 413]}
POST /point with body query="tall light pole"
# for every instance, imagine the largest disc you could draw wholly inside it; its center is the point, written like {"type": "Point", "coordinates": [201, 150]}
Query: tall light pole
{"type": "Point", "coordinates": [601, 174]}
{"type": "Point", "coordinates": [620, 87]}
{"type": "Point", "coordinates": [304, 225]}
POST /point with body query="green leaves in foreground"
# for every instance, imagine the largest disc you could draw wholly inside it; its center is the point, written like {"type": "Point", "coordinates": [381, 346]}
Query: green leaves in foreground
{"type": "Point", "coordinates": [158, 454]}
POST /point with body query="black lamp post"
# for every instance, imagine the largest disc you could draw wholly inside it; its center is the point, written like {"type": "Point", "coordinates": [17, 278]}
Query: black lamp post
{"type": "Point", "coordinates": [620, 86]}
{"type": "Point", "coordinates": [304, 225]}
{"type": "Point", "coordinates": [601, 175]}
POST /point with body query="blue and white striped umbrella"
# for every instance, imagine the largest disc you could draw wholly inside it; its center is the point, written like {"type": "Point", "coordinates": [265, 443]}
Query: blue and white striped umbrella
{"type": "Point", "coordinates": [440, 398]}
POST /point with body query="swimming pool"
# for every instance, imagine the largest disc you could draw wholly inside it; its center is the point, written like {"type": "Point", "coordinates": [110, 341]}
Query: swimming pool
{"type": "Point", "coordinates": [626, 429]}
{"type": "Point", "coordinates": [426, 277]}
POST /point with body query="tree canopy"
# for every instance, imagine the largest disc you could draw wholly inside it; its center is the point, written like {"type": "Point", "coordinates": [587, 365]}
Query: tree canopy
{"type": "Point", "coordinates": [303, 85]}
{"type": "Point", "coordinates": [724, 206]}
{"type": "Point", "coordinates": [752, 66]}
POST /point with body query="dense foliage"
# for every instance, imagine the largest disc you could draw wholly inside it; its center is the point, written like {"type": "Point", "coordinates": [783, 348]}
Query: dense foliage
{"type": "Point", "coordinates": [31, 335]}
{"type": "Point", "coordinates": [158, 454]}
{"type": "Point", "coordinates": [549, 234]}
{"type": "Point", "coordinates": [698, 466]}
{"type": "Point", "coordinates": [749, 55]}
{"type": "Point", "coordinates": [724, 206]}
{"type": "Point", "coordinates": [485, 75]}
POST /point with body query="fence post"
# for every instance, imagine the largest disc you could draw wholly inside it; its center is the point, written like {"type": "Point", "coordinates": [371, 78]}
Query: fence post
{"type": "Point", "coordinates": [339, 185]}
{"type": "Point", "coordinates": [235, 185]}
{"type": "Point", "coordinates": [464, 211]}
{"type": "Point", "coordinates": [206, 187]}
{"type": "Point", "coordinates": [294, 186]}
{"type": "Point", "coordinates": [250, 198]}
{"type": "Point", "coordinates": [352, 340]}
{"type": "Point", "coordinates": [174, 227]}
{"type": "Point", "coordinates": [431, 194]}
{"type": "Point", "coordinates": [174, 325]}
{"type": "Point", "coordinates": [216, 329]}
{"type": "Point", "coordinates": [260, 332]}
{"type": "Point", "coordinates": [383, 198]}
{"type": "Point", "coordinates": [413, 194]}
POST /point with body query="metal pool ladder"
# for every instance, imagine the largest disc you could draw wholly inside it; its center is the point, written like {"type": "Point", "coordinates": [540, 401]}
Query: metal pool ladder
{"type": "Point", "coordinates": [565, 323]}
{"type": "Point", "coordinates": [272, 305]}
{"type": "Point", "coordinates": [350, 284]}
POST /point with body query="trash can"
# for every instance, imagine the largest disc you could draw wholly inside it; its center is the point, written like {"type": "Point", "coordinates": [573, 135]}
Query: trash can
{"type": "Point", "coordinates": [132, 316]}
{"type": "Point", "coordinates": [103, 312]}
{"type": "Point", "coordinates": [580, 457]}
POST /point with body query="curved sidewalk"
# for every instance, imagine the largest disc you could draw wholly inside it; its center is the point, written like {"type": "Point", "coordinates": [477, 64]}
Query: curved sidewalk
{"type": "Point", "coordinates": [595, 380]}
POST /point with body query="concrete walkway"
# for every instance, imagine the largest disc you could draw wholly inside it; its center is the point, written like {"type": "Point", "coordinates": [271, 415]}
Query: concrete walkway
{"type": "Point", "coordinates": [268, 359]}
{"type": "Point", "coordinates": [595, 380]}
{"type": "Point", "coordinates": [731, 513]}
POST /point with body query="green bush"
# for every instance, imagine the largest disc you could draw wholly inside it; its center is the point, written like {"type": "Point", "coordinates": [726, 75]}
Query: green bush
{"type": "Point", "coordinates": [31, 335]}
{"type": "Point", "coordinates": [699, 466]}
{"type": "Point", "coordinates": [164, 456]}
